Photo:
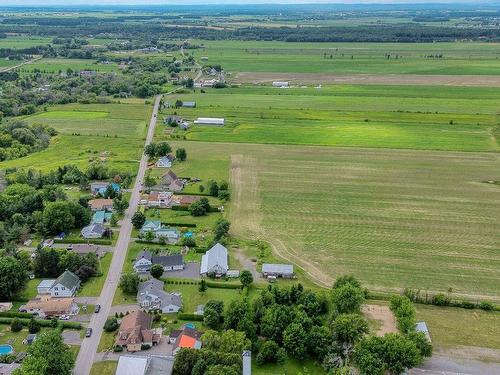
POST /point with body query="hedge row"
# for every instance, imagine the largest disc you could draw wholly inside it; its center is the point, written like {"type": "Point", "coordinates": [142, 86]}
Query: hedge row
{"type": "Point", "coordinates": [442, 299]}
{"type": "Point", "coordinates": [15, 314]}
{"type": "Point", "coordinates": [405, 313]}
{"type": "Point", "coordinates": [193, 317]}
{"type": "Point", "coordinates": [43, 323]}
{"type": "Point", "coordinates": [184, 208]}
{"type": "Point", "coordinates": [212, 284]}
{"type": "Point", "coordinates": [83, 240]}
{"type": "Point", "coordinates": [191, 225]}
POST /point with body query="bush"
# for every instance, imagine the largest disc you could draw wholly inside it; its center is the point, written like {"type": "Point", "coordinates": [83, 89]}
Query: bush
{"type": "Point", "coordinates": [111, 325]}
{"type": "Point", "coordinates": [467, 305]}
{"type": "Point", "coordinates": [16, 325]}
{"type": "Point", "coordinates": [212, 284]}
{"type": "Point", "coordinates": [118, 348]}
{"type": "Point", "coordinates": [33, 326]}
{"type": "Point", "coordinates": [486, 306]}
{"type": "Point", "coordinates": [15, 314]}
{"type": "Point", "coordinates": [193, 317]}
{"type": "Point", "coordinates": [405, 313]}
{"type": "Point", "coordinates": [145, 346]}
{"type": "Point", "coordinates": [440, 300]}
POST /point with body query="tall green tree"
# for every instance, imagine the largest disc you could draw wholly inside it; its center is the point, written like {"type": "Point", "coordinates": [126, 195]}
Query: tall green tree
{"type": "Point", "coordinates": [12, 277]}
{"type": "Point", "coordinates": [138, 220]}
{"type": "Point", "coordinates": [129, 283]}
{"type": "Point", "coordinates": [347, 299]}
{"type": "Point", "coordinates": [246, 278]}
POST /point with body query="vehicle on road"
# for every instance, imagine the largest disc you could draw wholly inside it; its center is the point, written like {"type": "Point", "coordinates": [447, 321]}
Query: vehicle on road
{"type": "Point", "coordinates": [97, 308]}
{"type": "Point", "coordinates": [88, 333]}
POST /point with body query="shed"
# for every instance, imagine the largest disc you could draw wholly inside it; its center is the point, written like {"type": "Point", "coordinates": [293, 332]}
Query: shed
{"type": "Point", "coordinates": [189, 104]}
{"type": "Point", "coordinates": [210, 121]}
{"type": "Point", "coordinates": [277, 270]}
{"type": "Point", "coordinates": [422, 327]}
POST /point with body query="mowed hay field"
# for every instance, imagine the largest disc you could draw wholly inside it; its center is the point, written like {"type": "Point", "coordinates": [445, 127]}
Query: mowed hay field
{"type": "Point", "coordinates": [414, 117]}
{"type": "Point", "coordinates": [393, 218]}
{"type": "Point", "coordinates": [352, 58]}
{"type": "Point", "coordinates": [54, 65]}
{"type": "Point", "coordinates": [110, 132]}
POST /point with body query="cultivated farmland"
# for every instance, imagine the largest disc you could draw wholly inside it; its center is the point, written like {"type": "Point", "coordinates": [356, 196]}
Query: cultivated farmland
{"type": "Point", "coordinates": [393, 218]}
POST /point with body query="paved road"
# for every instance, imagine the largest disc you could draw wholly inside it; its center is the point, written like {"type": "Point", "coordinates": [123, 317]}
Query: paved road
{"type": "Point", "coordinates": [89, 346]}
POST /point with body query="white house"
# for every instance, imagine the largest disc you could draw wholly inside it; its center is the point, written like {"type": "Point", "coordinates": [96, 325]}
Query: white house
{"type": "Point", "coordinates": [214, 261]}
{"type": "Point", "coordinates": [152, 297]}
{"type": "Point", "coordinates": [143, 262]}
{"type": "Point", "coordinates": [164, 162]}
{"type": "Point", "coordinates": [65, 285]}
{"type": "Point", "coordinates": [160, 199]}
{"type": "Point", "coordinates": [44, 286]}
{"type": "Point", "coordinates": [210, 121]}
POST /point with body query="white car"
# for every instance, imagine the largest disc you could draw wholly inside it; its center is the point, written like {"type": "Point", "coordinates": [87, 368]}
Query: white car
{"type": "Point", "coordinates": [64, 317]}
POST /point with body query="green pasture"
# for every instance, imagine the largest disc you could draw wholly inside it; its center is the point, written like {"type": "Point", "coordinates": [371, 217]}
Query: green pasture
{"type": "Point", "coordinates": [19, 42]}
{"type": "Point", "coordinates": [351, 58]}
{"type": "Point", "coordinates": [393, 218]}
{"type": "Point", "coordinates": [53, 65]}
{"type": "Point", "coordinates": [439, 118]}
{"type": "Point", "coordinates": [8, 63]}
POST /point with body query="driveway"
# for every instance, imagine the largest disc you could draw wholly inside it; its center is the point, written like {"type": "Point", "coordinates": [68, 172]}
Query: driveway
{"type": "Point", "coordinates": [123, 309]}
{"type": "Point", "coordinates": [190, 271]}
{"type": "Point", "coordinates": [87, 300]}
{"type": "Point", "coordinates": [71, 337]}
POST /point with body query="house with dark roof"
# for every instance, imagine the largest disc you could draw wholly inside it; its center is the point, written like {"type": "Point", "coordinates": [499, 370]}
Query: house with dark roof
{"type": "Point", "coordinates": [135, 331]}
{"type": "Point", "coordinates": [93, 230]}
{"type": "Point", "coordinates": [169, 262]}
{"type": "Point", "coordinates": [172, 182]}
{"type": "Point", "coordinates": [214, 261]}
{"type": "Point", "coordinates": [86, 248]}
{"type": "Point", "coordinates": [66, 285]}
{"type": "Point", "coordinates": [189, 104]}
{"type": "Point", "coordinates": [152, 297]}
{"type": "Point", "coordinates": [143, 262]}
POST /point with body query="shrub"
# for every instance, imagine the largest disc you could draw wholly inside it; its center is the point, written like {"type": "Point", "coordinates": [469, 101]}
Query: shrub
{"type": "Point", "coordinates": [118, 348]}
{"type": "Point", "coordinates": [440, 300]}
{"type": "Point", "coordinates": [486, 306]}
{"type": "Point", "coordinates": [33, 326]}
{"type": "Point", "coordinates": [193, 317]}
{"type": "Point", "coordinates": [467, 305]}
{"type": "Point", "coordinates": [405, 313]}
{"type": "Point", "coordinates": [111, 325]}
{"type": "Point", "coordinates": [16, 325]}
{"type": "Point", "coordinates": [145, 346]}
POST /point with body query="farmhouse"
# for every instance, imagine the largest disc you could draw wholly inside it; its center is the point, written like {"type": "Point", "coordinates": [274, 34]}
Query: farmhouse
{"type": "Point", "coordinates": [160, 199]}
{"type": "Point", "coordinates": [93, 230]}
{"type": "Point", "coordinates": [152, 297]}
{"type": "Point", "coordinates": [101, 204]}
{"type": "Point", "coordinates": [209, 121]}
{"type": "Point", "coordinates": [277, 270]}
{"type": "Point", "coordinates": [135, 331]}
{"type": "Point", "coordinates": [173, 119]}
{"type": "Point", "coordinates": [189, 104]}
{"type": "Point", "coordinates": [65, 285]}
{"type": "Point", "coordinates": [214, 261]}
{"type": "Point", "coordinates": [172, 182]}
{"type": "Point", "coordinates": [47, 306]}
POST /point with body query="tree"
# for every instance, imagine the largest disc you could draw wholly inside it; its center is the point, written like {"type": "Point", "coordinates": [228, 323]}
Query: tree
{"type": "Point", "coordinates": [48, 355]}
{"type": "Point", "coordinates": [178, 103]}
{"type": "Point", "coordinates": [120, 204]}
{"type": "Point", "coordinates": [12, 277]}
{"type": "Point", "coordinates": [213, 188]}
{"type": "Point", "coordinates": [294, 340]}
{"type": "Point", "coordinates": [200, 207]}
{"type": "Point", "coordinates": [129, 283]}
{"type": "Point", "coordinates": [57, 217]}
{"type": "Point", "coordinates": [211, 318]}
{"type": "Point", "coordinates": [111, 324]}
{"type": "Point", "coordinates": [347, 299]}
{"type": "Point", "coordinates": [319, 340]}
{"type": "Point", "coordinates": [162, 149]}
{"type": "Point", "coordinates": [349, 328]}
{"type": "Point", "coordinates": [150, 150]}
{"type": "Point", "coordinates": [185, 360]}
{"type": "Point", "coordinates": [423, 345]}
{"type": "Point", "coordinates": [235, 312]}
{"type": "Point", "coordinates": [189, 83]}
{"type": "Point", "coordinates": [400, 353]}
{"type": "Point", "coordinates": [368, 356]}
{"type": "Point", "coordinates": [33, 326]}
{"type": "Point", "coordinates": [346, 279]}
{"type": "Point", "coordinates": [189, 241]}
{"type": "Point", "coordinates": [230, 341]}
{"type": "Point", "coordinates": [270, 352]}
{"type": "Point", "coordinates": [138, 220]}
{"type": "Point", "coordinates": [181, 154]}
{"type": "Point", "coordinates": [221, 229]}
{"type": "Point", "coordinates": [246, 278]}
{"type": "Point", "coordinates": [224, 195]}
{"type": "Point", "coordinates": [157, 271]}
{"type": "Point", "coordinates": [203, 286]}
{"type": "Point", "coordinates": [16, 325]}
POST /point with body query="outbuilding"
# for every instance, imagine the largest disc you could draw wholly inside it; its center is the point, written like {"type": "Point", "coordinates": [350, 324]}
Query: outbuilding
{"type": "Point", "coordinates": [277, 270]}
{"type": "Point", "coordinates": [210, 121]}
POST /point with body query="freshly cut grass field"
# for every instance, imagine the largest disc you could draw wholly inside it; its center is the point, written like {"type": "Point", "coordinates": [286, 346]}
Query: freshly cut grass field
{"type": "Point", "coordinates": [352, 58]}
{"type": "Point", "coordinates": [393, 218]}
{"type": "Point", "coordinates": [19, 42]}
{"type": "Point", "coordinates": [437, 118]}
{"type": "Point", "coordinates": [111, 132]}
{"type": "Point", "coordinates": [51, 65]}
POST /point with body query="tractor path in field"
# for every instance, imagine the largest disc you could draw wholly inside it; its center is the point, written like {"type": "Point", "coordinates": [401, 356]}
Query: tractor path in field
{"type": "Point", "coordinates": [3, 70]}
{"type": "Point", "coordinates": [369, 79]}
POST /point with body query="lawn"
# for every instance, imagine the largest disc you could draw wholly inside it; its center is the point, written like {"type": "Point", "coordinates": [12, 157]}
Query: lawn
{"type": "Point", "coordinates": [393, 218]}
{"type": "Point", "coordinates": [436, 118]}
{"type": "Point", "coordinates": [351, 58]}
{"type": "Point", "coordinates": [109, 132]}
{"type": "Point", "coordinates": [290, 367]}
{"type": "Point", "coordinates": [93, 287]}
{"type": "Point", "coordinates": [107, 341]}
{"type": "Point", "coordinates": [15, 338]}
{"type": "Point", "coordinates": [104, 368]}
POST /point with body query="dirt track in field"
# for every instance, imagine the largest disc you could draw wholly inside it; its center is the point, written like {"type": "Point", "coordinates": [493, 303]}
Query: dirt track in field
{"type": "Point", "coordinates": [369, 79]}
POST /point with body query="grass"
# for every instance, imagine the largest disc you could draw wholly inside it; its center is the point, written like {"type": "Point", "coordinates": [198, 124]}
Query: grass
{"type": "Point", "coordinates": [30, 289]}
{"type": "Point", "coordinates": [51, 65]}
{"type": "Point", "coordinates": [290, 367]}
{"type": "Point", "coordinates": [107, 341]}
{"type": "Point", "coordinates": [436, 118]}
{"type": "Point", "coordinates": [15, 339]}
{"type": "Point", "coordinates": [110, 132]}
{"type": "Point", "coordinates": [93, 287]}
{"type": "Point", "coordinates": [104, 368]}
{"type": "Point", "coordinates": [450, 327]}
{"type": "Point", "coordinates": [351, 58]}
{"type": "Point", "coordinates": [19, 42]}
{"type": "Point", "coordinates": [393, 218]}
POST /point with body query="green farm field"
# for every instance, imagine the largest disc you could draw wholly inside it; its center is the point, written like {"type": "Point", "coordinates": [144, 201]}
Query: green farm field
{"type": "Point", "coordinates": [51, 65]}
{"type": "Point", "coordinates": [411, 117]}
{"type": "Point", "coordinates": [19, 42]}
{"type": "Point", "coordinates": [352, 58]}
{"type": "Point", "coordinates": [110, 132]}
{"type": "Point", "coordinates": [393, 218]}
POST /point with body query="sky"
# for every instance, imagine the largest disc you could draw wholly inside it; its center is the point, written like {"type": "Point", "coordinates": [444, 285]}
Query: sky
{"type": "Point", "coordinates": [42, 3]}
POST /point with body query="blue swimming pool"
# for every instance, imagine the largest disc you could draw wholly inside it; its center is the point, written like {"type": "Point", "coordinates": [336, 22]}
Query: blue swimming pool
{"type": "Point", "coordinates": [188, 234]}
{"type": "Point", "coordinates": [6, 349]}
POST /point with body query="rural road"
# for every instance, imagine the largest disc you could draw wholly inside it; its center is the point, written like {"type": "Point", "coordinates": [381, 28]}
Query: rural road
{"type": "Point", "coordinates": [3, 70]}
{"type": "Point", "coordinates": [198, 66]}
{"type": "Point", "coordinates": [89, 345]}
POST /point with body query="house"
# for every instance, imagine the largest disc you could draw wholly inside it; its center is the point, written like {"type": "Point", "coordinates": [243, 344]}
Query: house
{"type": "Point", "coordinates": [189, 104]}
{"type": "Point", "coordinates": [172, 182]}
{"type": "Point", "coordinates": [151, 226]}
{"type": "Point", "coordinates": [48, 243]}
{"type": "Point", "coordinates": [422, 327]}
{"type": "Point", "coordinates": [47, 306]}
{"type": "Point", "coordinates": [98, 187]}
{"type": "Point", "coordinates": [101, 217]}
{"type": "Point", "coordinates": [187, 338]}
{"type": "Point", "coordinates": [281, 84]}
{"type": "Point", "coordinates": [176, 186]}
{"type": "Point", "coordinates": [86, 248]}
{"type": "Point", "coordinates": [173, 119]}
{"type": "Point", "coordinates": [160, 199]}
{"type": "Point", "coordinates": [169, 262]}
{"type": "Point", "coordinates": [277, 270]}
{"type": "Point", "coordinates": [135, 331]}
{"type": "Point", "coordinates": [184, 200]}
{"type": "Point", "coordinates": [65, 285]}
{"type": "Point", "coordinates": [5, 306]}
{"type": "Point", "coordinates": [143, 262]}
{"type": "Point", "coordinates": [214, 261]}
{"type": "Point", "coordinates": [169, 234]}
{"type": "Point", "coordinates": [150, 365]}
{"type": "Point", "coordinates": [209, 121]}
{"type": "Point", "coordinates": [184, 125]}
{"type": "Point", "coordinates": [30, 339]}
{"type": "Point", "coordinates": [93, 230]}
{"type": "Point", "coordinates": [103, 204]}
{"type": "Point", "coordinates": [164, 162]}
{"type": "Point", "coordinates": [152, 297]}
{"type": "Point", "coordinates": [44, 286]}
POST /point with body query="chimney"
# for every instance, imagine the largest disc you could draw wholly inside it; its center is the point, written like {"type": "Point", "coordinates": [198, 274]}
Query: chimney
{"type": "Point", "coordinates": [247, 362]}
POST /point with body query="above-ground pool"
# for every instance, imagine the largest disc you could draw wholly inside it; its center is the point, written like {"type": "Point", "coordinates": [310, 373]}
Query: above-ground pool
{"type": "Point", "coordinates": [188, 234]}
{"type": "Point", "coordinates": [6, 349]}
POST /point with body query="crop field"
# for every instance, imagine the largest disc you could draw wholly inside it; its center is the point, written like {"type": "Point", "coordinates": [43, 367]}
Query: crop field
{"type": "Point", "coordinates": [352, 58]}
{"type": "Point", "coordinates": [110, 132]}
{"type": "Point", "coordinates": [415, 117]}
{"type": "Point", "coordinates": [393, 218]}
{"type": "Point", "coordinates": [51, 65]}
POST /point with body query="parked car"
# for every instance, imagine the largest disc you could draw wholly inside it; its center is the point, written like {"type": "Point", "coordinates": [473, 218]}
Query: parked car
{"type": "Point", "coordinates": [64, 317]}
{"type": "Point", "coordinates": [97, 308]}
{"type": "Point", "coordinates": [89, 332]}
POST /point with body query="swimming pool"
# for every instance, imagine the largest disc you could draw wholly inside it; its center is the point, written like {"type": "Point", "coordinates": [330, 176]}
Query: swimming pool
{"type": "Point", "coordinates": [6, 349]}
{"type": "Point", "coordinates": [188, 234]}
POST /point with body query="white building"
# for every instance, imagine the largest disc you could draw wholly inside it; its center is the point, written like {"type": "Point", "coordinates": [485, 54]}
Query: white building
{"type": "Point", "coordinates": [281, 84]}
{"type": "Point", "coordinates": [214, 261]}
{"type": "Point", "coordinates": [210, 121]}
